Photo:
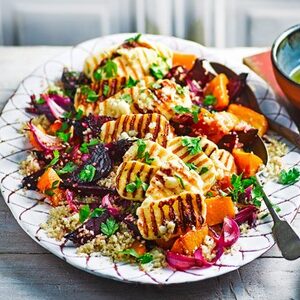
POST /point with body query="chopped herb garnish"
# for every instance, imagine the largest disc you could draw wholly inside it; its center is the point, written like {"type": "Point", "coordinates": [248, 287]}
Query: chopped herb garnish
{"type": "Point", "coordinates": [209, 100]}
{"type": "Point", "coordinates": [180, 181]}
{"type": "Point", "coordinates": [40, 101]}
{"type": "Point", "coordinates": [209, 194]}
{"type": "Point", "coordinates": [91, 94]}
{"type": "Point", "coordinates": [97, 212]}
{"type": "Point", "coordinates": [110, 69]}
{"type": "Point", "coordinates": [109, 227]}
{"type": "Point", "coordinates": [78, 114]}
{"type": "Point", "coordinates": [84, 148]}
{"type": "Point", "coordinates": [141, 148]}
{"type": "Point", "coordinates": [55, 158]}
{"type": "Point", "coordinates": [178, 109]}
{"type": "Point", "coordinates": [127, 98]}
{"type": "Point", "coordinates": [134, 39]}
{"type": "Point", "coordinates": [87, 173]}
{"type": "Point", "coordinates": [98, 74]}
{"type": "Point", "coordinates": [84, 213]}
{"type": "Point", "coordinates": [68, 168]}
{"type": "Point", "coordinates": [148, 159]}
{"type": "Point", "coordinates": [238, 188]}
{"type": "Point", "coordinates": [193, 144]}
{"type": "Point", "coordinates": [131, 82]}
{"type": "Point", "coordinates": [180, 90]}
{"type": "Point", "coordinates": [133, 186]}
{"type": "Point", "coordinates": [191, 166]}
{"type": "Point", "coordinates": [203, 170]}
{"type": "Point", "coordinates": [63, 136]}
{"type": "Point", "coordinates": [156, 71]}
{"type": "Point", "coordinates": [105, 90]}
{"type": "Point", "coordinates": [289, 177]}
{"type": "Point", "coordinates": [67, 115]}
{"type": "Point", "coordinates": [143, 259]}
{"type": "Point", "coordinates": [50, 192]}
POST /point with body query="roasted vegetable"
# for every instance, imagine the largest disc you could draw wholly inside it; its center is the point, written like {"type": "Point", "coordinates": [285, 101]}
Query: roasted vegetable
{"type": "Point", "coordinates": [250, 116]}
{"type": "Point", "coordinates": [184, 59]}
{"type": "Point", "coordinates": [247, 162]}
{"type": "Point", "coordinates": [217, 209]}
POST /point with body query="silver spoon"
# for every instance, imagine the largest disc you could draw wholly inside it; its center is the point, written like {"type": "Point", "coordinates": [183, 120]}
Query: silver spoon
{"type": "Point", "coordinates": [287, 239]}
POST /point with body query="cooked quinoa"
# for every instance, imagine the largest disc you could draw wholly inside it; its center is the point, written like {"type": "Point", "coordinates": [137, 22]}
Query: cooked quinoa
{"type": "Point", "coordinates": [30, 165]}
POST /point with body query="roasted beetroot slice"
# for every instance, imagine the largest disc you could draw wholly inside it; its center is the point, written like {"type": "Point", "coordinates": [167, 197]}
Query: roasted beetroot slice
{"type": "Point", "coordinates": [177, 73]}
{"type": "Point", "coordinates": [71, 81]}
{"type": "Point", "coordinates": [182, 124]}
{"type": "Point", "coordinates": [199, 73]}
{"type": "Point", "coordinates": [116, 150]}
{"type": "Point", "coordinates": [30, 182]}
{"type": "Point", "coordinates": [39, 109]}
{"type": "Point", "coordinates": [236, 85]}
{"type": "Point", "coordinates": [86, 189]}
{"type": "Point", "coordinates": [88, 230]}
{"type": "Point", "coordinates": [229, 141]}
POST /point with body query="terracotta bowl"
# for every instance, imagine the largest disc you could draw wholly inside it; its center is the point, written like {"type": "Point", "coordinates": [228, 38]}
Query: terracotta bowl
{"type": "Point", "coordinates": [285, 56]}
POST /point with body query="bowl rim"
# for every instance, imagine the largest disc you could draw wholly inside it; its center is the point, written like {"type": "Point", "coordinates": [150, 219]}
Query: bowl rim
{"type": "Point", "coordinates": [274, 49]}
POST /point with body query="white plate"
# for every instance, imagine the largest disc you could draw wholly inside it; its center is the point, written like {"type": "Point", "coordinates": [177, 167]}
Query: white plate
{"type": "Point", "coordinates": [30, 213]}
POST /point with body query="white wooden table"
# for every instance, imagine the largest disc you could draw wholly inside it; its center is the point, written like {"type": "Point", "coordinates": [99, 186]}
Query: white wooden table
{"type": "Point", "coordinates": [28, 271]}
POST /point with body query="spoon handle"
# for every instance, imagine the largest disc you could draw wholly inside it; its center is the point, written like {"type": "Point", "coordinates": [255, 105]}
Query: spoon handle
{"type": "Point", "coordinates": [287, 239]}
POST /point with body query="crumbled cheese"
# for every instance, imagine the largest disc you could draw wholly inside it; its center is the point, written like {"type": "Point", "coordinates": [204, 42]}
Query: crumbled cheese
{"type": "Point", "coordinates": [117, 108]}
{"type": "Point", "coordinates": [132, 133]}
{"type": "Point", "coordinates": [149, 136]}
{"type": "Point", "coordinates": [152, 125]}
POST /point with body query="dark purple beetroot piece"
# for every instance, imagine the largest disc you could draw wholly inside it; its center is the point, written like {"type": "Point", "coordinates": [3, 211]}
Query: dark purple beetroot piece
{"type": "Point", "coordinates": [182, 124]}
{"type": "Point", "coordinates": [30, 182]}
{"type": "Point", "coordinates": [247, 214]}
{"type": "Point", "coordinates": [236, 85]}
{"type": "Point", "coordinates": [116, 150]}
{"type": "Point", "coordinates": [88, 230]}
{"type": "Point", "coordinates": [71, 80]}
{"type": "Point", "coordinates": [177, 73]}
{"type": "Point", "coordinates": [229, 141]}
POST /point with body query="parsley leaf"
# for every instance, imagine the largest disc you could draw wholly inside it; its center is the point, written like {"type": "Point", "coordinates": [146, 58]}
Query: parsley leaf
{"type": "Point", "coordinates": [55, 159]}
{"type": "Point", "coordinates": [193, 144]}
{"type": "Point", "coordinates": [141, 148]}
{"type": "Point", "coordinates": [110, 69]}
{"type": "Point", "coordinates": [131, 82]}
{"type": "Point", "coordinates": [191, 166]}
{"type": "Point", "coordinates": [40, 101]}
{"type": "Point", "coordinates": [127, 98]}
{"type": "Point", "coordinates": [203, 170]}
{"type": "Point", "coordinates": [68, 168]}
{"type": "Point", "coordinates": [143, 259]}
{"type": "Point", "coordinates": [180, 181]}
{"type": "Point", "coordinates": [97, 212]}
{"type": "Point", "coordinates": [84, 146]}
{"type": "Point", "coordinates": [84, 213]}
{"type": "Point", "coordinates": [133, 186]}
{"type": "Point", "coordinates": [238, 188]}
{"type": "Point", "coordinates": [209, 100]}
{"type": "Point", "coordinates": [134, 39]}
{"type": "Point", "coordinates": [91, 94]}
{"type": "Point", "coordinates": [109, 227]}
{"type": "Point", "coordinates": [50, 192]}
{"type": "Point", "coordinates": [63, 136]}
{"type": "Point", "coordinates": [148, 159]}
{"type": "Point", "coordinates": [289, 177]}
{"type": "Point", "coordinates": [156, 72]}
{"type": "Point", "coordinates": [178, 109]}
{"type": "Point", "coordinates": [87, 173]}
{"type": "Point", "coordinates": [78, 114]}
{"type": "Point", "coordinates": [105, 90]}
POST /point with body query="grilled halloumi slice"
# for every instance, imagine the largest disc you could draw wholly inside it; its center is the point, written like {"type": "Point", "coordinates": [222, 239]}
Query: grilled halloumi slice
{"type": "Point", "coordinates": [136, 173]}
{"type": "Point", "coordinates": [171, 216]}
{"type": "Point", "coordinates": [154, 127]}
{"type": "Point", "coordinates": [224, 163]}
{"type": "Point", "coordinates": [104, 89]}
{"type": "Point", "coordinates": [156, 153]}
{"type": "Point", "coordinates": [173, 178]}
{"type": "Point", "coordinates": [159, 97]}
{"type": "Point", "coordinates": [203, 164]}
{"type": "Point", "coordinates": [134, 61]}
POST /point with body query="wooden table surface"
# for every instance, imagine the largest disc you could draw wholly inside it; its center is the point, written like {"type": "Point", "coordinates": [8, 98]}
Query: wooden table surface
{"type": "Point", "coordinates": [27, 271]}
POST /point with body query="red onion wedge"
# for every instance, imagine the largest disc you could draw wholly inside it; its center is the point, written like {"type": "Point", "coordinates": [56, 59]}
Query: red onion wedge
{"type": "Point", "coordinates": [56, 110]}
{"type": "Point", "coordinates": [70, 200]}
{"type": "Point", "coordinates": [180, 261]}
{"type": "Point", "coordinates": [46, 141]}
{"type": "Point", "coordinates": [230, 232]}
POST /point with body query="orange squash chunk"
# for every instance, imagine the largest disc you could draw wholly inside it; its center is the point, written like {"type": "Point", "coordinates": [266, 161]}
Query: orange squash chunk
{"type": "Point", "coordinates": [218, 88]}
{"type": "Point", "coordinates": [139, 247]}
{"type": "Point", "coordinates": [184, 59]}
{"type": "Point", "coordinates": [46, 181]}
{"type": "Point", "coordinates": [250, 116]}
{"type": "Point", "coordinates": [247, 163]}
{"type": "Point", "coordinates": [189, 242]}
{"type": "Point", "coordinates": [217, 209]}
